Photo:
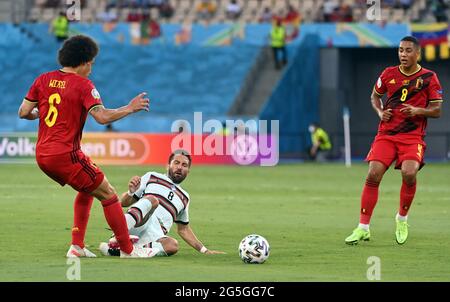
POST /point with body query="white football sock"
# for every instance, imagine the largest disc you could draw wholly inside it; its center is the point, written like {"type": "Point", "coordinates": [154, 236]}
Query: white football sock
{"type": "Point", "coordinates": [365, 227]}
{"type": "Point", "coordinates": [130, 221]}
{"type": "Point", "coordinates": [144, 205]}
{"type": "Point", "coordinates": [401, 218]}
{"type": "Point", "coordinates": [140, 210]}
{"type": "Point", "coordinates": [157, 246]}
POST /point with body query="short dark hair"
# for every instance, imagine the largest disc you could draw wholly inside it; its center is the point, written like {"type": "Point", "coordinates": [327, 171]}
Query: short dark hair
{"type": "Point", "coordinates": [412, 39]}
{"type": "Point", "coordinates": [77, 50]}
{"type": "Point", "coordinates": [182, 152]}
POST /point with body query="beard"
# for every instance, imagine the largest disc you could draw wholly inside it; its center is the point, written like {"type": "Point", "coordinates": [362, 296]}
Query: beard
{"type": "Point", "coordinates": [176, 178]}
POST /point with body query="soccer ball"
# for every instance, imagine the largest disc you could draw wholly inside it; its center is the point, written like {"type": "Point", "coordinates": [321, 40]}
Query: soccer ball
{"type": "Point", "coordinates": [254, 249]}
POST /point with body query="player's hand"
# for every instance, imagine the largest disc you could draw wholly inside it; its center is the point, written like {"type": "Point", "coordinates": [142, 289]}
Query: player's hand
{"type": "Point", "coordinates": [134, 184]}
{"type": "Point", "coordinates": [212, 252]}
{"type": "Point", "coordinates": [140, 102]}
{"type": "Point", "coordinates": [409, 110]}
{"type": "Point", "coordinates": [386, 115]}
{"type": "Point", "coordinates": [35, 113]}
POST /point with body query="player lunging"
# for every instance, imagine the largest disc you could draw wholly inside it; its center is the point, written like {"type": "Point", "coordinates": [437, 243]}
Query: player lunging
{"type": "Point", "coordinates": [413, 95]}
{"type": "Point", "coordinates": [61, 99]}
{"type": "Point", "coordinates": [157, 201]}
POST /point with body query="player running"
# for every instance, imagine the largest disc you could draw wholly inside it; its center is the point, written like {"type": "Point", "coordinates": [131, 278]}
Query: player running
{"type": "Point", "coordinates": [62, 99]}
{"type": "Point", "coordinates": [413, 95]}
{"type": "Point", "coordinates": [157, 201]}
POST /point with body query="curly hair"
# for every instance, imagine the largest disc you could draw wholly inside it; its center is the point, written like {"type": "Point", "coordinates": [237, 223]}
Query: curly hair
{"type": "Point", "coordinates": [77, 50]}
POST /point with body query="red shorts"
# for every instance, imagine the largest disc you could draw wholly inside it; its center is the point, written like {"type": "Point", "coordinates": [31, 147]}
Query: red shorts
{"type": "Point", "coordinates": [387, 148]}
{"type": "Point", "coordinates": [75, 169]}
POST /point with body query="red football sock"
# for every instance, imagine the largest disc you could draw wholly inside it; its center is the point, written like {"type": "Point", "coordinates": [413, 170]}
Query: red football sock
{"type": "Point", "coordinates": [116, 220]}
{"type": "Point", "coordinates": [369, 199]}
{"type": "Point", "coordinates": [407, 193]}
{"type": "Point", "coordinates": [82, 209]}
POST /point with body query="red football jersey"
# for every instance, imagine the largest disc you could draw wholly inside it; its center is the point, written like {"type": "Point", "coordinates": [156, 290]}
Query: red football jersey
{"type": "Point", "coordinates": [417, 89]}
{"type": "Point", "coordinates": [64, 100]}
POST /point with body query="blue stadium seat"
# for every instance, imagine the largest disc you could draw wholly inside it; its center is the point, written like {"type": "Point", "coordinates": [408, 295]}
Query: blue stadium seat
{"type": "Point", "coordinates": [178, 79]}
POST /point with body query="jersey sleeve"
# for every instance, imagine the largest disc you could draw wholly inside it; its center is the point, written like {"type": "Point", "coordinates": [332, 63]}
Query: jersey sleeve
{"type": "Point", "coordinates": [434, 90]}
{"type": "Point", "coordinates": [183, 216]}
{"type": "Point", "coordinates": [321, 136]}
{"type": "Point", "coordinates": [33, 93]}
{"type": "Point", "coordinates": [380, 85]}
{"type": "Point", "coordinates": [91, 97]}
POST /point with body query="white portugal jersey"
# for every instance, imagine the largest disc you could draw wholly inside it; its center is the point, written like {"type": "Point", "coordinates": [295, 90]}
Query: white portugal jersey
{"type": "Point", "coordinates": [173, 200]}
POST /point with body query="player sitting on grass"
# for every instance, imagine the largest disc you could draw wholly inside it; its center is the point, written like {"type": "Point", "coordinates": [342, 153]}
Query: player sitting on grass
{"type": "Point", "coordinates": [157, 201]}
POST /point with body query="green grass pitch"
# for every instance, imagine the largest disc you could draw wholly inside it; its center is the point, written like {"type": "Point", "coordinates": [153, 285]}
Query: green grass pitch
{"type": "Point", "coordinates": [304, 210]}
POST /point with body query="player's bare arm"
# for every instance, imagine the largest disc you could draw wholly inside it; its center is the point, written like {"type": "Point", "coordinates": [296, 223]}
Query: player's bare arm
{"type": "Point", "coordinates": [28, 110]}
{"type": "Point", "coordinates": [316, 146]}
{"type": "Point", "coordinates": [385, 115]}
{"type": "Point", "coordinates": [314, 149]}
{"type": "Point", "coordinates": [189, 237]}
{"type": "Point", "coordinates": [105, 116]}
{"type": "Point", "coordinates": [433, 110]}
{"type": "Point", "coordinates": [127, 199]}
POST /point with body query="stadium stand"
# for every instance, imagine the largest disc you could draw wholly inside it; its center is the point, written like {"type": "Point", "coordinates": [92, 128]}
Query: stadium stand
{"type": "Point", "coordinates": [178, 79]}
{"type": "Point", "coordinates": [183, 76]}
{"type": "Point", "coordinates": [185, 10]}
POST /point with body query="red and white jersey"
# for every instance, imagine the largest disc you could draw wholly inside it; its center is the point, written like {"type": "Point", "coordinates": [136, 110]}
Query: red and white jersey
{"type": "Point", "coordinates": [64, 100]}
{"type": "Point", "coordinates": [417, 89]}
{"type": "Point", "coordinates": [173, 200]}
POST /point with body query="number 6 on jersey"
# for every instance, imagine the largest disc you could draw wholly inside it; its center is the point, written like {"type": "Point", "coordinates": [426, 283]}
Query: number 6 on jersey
{"type": "Point", "coordinates": [52, 114]}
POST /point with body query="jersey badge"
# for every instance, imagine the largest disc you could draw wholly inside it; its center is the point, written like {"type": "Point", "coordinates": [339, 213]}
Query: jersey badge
{"type": "Point", "coordinates": [379, 83]}
{"type": "Point", "coordinates": [95, 94]}
{"type": "Point", "coordinates": [419, 83]}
